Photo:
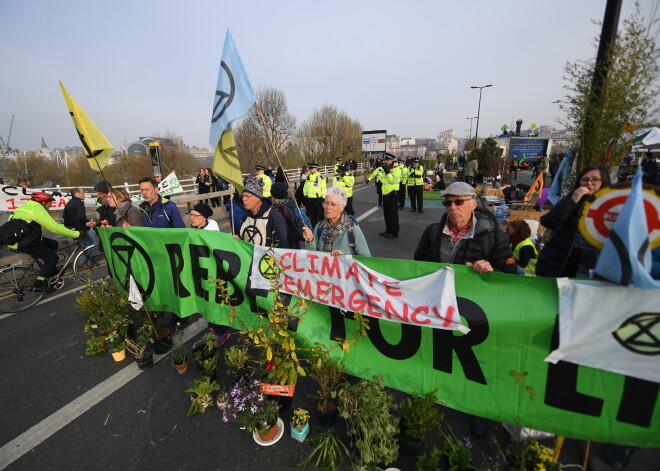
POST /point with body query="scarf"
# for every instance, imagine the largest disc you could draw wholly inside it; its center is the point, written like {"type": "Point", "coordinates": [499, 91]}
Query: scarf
{"type": "Point", "coordinates": [329, 233]}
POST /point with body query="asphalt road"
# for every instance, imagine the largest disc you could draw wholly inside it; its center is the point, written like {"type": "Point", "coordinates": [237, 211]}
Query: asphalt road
{"type": "Point", "coordinates": [62, 410]}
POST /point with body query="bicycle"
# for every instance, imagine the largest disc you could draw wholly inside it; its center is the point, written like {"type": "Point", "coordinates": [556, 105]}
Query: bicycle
{"type": "Point", "coordinates": [16, 293]}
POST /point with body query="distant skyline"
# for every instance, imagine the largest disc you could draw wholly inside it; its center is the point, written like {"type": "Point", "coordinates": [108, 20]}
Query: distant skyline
{"type": "Point", "coordinates": [150, 67]}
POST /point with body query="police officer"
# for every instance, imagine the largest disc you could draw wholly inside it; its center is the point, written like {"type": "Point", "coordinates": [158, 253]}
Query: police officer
{"type": "Point", "coordinates": [314, 192]}
{"type": "Point", "coordinates": [261, 174]}
{"type": "Point", "coordinates": [390, 182]}
{"type": "Point", "coordinates": [402, 173]}
{"type": "Point", "coordinates": [416, 186]}
{"type": "Point", "coordinates": [337, 165]}
{"type": "Point", "coordinates": [347, 182]}
{"type": "Point", "coordinates": [378, 174]}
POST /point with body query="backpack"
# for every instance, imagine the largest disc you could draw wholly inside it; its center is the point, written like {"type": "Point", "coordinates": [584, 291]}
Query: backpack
{"type": "Point", "coordinates": [350, 234]}
{"type": "Point", "coordinates": [291, 234]}
{"type": "Point", "coordinates": [302, 219]}
{"type": "Point", "coordinates": [12, 231]}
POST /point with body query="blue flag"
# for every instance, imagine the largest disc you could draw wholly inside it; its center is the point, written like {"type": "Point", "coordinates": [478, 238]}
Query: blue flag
{"type": "Point", "coordinates": [233, 93]}
{"type": "Point", "coordinates": [626, 256]}
{"type": "Point", "coordinates": [560, 178]}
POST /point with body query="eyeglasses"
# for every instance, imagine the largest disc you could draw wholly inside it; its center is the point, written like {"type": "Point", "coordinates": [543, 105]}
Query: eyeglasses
{"type": "Point", "coordinates": [448, 203]}
{"type": "Point", "coordinates": [330, 205]}
{"type": "Point", "coordinates": [195, 215]}
{"type": "Point", "coordinates": [591, 180]}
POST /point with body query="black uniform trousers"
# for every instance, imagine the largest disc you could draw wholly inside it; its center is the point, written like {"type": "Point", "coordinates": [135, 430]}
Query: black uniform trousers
{"type": "Point", "coordinates": [416, 193]}
{"type": "Point", "coordinates": [379, 190]}
{"type": "Point", "coordinates": [402, 196]}
{"type": "Point", "coordinates": [314, 210]}
{"type": "Point", "coordinates": [349, 206]}
{"type": "Point", "coordinates": [391, 213]}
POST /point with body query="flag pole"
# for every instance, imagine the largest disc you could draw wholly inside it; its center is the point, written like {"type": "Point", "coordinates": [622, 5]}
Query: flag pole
{"type": "Point", "coordinates": [231, 209]}
{"type": "Point", "coordinates": [277, 156]}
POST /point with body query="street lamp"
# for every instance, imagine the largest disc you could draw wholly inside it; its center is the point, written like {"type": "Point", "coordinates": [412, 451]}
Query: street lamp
{"type": "Point", "coordinates": [476, 131]}
{"type": "Point", "coordinates": [470, 135]}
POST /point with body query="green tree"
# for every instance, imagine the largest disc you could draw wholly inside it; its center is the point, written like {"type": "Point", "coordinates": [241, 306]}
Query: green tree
{"type": "Point", "coordinates": [489, 156]}
{"type": "Point", "coordinates": [628, 94]}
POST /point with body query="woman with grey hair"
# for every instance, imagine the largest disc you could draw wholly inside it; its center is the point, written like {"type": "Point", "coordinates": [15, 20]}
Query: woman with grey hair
{"type": "Point", "coordinates": [338, 233]}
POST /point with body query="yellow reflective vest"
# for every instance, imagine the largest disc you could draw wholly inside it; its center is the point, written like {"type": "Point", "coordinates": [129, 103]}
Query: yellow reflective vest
{"type": "Point", "coordinates": [267, 184]}
{"type": "Point", "coordinates": [416, 176]}
{"type": "Point", "coordinates": [347, 181]}
{"type": "Point", "coordinates": [530, 269]}
{"type": "Point", "coordinates": [390, 181]}
{"type": "Point", "coordinates": [315, 186]}
{"type": "Point", "coordinates": [377, 174]}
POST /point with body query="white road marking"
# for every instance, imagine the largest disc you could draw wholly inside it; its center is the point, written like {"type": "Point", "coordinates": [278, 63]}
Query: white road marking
{"type": "Point", "coordinates": [368, 213]}
{"type": "Point", "coordinates": [39, 433]}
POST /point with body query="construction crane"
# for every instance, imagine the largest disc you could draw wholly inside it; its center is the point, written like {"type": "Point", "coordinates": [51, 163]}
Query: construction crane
{"type": "Point", "coordinates": [4, 146]}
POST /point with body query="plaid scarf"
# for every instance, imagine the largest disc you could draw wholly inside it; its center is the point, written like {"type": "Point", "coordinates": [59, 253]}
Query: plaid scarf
{"type": "Point", "coordinates": [329, 233]}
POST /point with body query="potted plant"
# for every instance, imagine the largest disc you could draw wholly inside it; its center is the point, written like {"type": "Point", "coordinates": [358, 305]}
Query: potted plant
{"type": "Point", "coordinates": [179, 353]}
{"type": "Point", "coordinates": [222, 401]}
{"type": "Point", "coordinates": [200, 390]}
{"type": "Point", "coordinates": [328, 374]}
{"type": "Point", "coordinates": [206, 355]}
{"type": "Point", "coordinates": [138, 346]}
{"type": "Point", "coordinates": [236, 358]}
{"type": "Point", "coordinates": [328, 452]}
{"type": "Point", "coordinates": [253, 410]}
{"type": "Point", "coordinates": [367, 407]}
{"type": "Point", "coordinates": [419, 417]}
{"type": "Point", "coordinates": [300, 424]}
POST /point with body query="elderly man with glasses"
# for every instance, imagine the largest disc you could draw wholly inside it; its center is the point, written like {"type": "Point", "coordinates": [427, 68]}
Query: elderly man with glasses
{"type": "Point", "coordinates": [466, 234]}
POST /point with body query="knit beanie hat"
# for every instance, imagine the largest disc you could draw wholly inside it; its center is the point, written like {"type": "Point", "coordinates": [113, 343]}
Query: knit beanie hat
{"type": "Point", "coordinates": [279, 190]}
{"type": "Point", "coordinates": [254, 187]}
{"type": "Point", "coordinates": [203, 209]}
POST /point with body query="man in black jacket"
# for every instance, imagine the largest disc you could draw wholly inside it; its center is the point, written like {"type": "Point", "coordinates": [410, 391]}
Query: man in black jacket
{"type": "Point", "coordinates": [467, 235]}
{"type": "Point", "coordinates": [75, 217]}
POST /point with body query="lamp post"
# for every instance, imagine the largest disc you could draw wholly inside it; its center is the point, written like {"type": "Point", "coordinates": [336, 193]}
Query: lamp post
{"type": "Point", "coordinates": [476, 131]}
{"type": "Point", "coordinates": [470, 134]}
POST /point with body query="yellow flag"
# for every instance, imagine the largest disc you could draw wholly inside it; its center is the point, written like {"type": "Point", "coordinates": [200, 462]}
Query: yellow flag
{"type": "Point", "coordinates": [536, 189]}
{"type": "Point", "coordinates": [225, 160]}
{"type": "Point", "coordinates": [98, 149]}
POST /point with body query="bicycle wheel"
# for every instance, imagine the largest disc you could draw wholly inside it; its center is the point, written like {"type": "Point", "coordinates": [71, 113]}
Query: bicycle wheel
{"type": "Point", "coordinates": [85, 272]}
{"type": "Point", "coordinates": [16, 289]}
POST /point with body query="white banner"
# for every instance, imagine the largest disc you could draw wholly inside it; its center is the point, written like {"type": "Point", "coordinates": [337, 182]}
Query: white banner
{"type": "Point", "coordinates": [11, 197]}
{"type": "Point", "coordinates": [349, 285]}
{"type": "Point", "coordinates": [168, 186]}
{"type": "Point", "coordinates": [609, 327]}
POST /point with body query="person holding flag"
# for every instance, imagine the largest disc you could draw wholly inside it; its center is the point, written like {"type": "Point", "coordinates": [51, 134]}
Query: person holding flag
{"type": "Point", "coordinates": [567, 253]}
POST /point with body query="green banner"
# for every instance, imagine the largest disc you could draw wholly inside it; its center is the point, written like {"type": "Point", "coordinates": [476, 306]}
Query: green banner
{"type": "Point", "coordinates": [496, 371]}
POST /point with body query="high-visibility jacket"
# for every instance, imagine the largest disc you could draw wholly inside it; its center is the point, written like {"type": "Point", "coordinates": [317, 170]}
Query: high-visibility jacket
{"type": "Point", "coordinates": [315, 186]}
{"type": "Point", "coordinates": [336, 169]}
{"type": "Point", "coordinates": [36, 216]}
{"type": "Point", "coordinates": [530, 269]}
{"type": "Point", "coordinates": [347, 181]}
{"type": "Point", "coordinates": [403, 174]}
{"type": "Point", "coordinates": [267, 184]}
{"type": "Point", "coordinates": [378, 174]}
{"type": "Point", "coordinates": [390, 182]}
{"type": "Point", "coordinates": [416, 176]}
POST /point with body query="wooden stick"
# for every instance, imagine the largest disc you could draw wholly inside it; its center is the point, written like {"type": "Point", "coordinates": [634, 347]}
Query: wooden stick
{"type": "Point", "coordinates": [586, 455]}
{"type": "Point", "coordinates": [558, 445]}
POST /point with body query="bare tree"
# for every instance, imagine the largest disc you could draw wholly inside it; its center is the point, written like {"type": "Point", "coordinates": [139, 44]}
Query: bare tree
{"type": "Point", "coordinates": [330, 133]}
{"type": "Point", "coordinates": [251, 144]}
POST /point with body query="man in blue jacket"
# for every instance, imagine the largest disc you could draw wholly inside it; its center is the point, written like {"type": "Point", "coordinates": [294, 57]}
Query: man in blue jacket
{"type": "Point", "coordinates": [158, 211]}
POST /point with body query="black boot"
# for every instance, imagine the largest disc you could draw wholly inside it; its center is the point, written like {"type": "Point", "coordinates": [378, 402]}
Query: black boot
{"type": "Point", "coordinates": [42, 287]}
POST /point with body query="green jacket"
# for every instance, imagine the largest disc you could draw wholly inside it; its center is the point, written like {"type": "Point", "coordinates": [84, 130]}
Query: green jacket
{"type": "Point", "coordinates": [38, 217]}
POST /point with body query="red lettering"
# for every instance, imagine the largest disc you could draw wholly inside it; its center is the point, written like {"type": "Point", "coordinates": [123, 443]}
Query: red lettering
{"type": "Point", "coordinates": [449, 316]}
{"type": "Point", "coordinates": [312, 258]}
{"type": "Point", "coordinates": [306, 289]}
{"type": "Point", "coordinates": [330, 266]}
{"type": "Point", "coordinates": [372, 278]}
{"type": "Point", "coordinates": [288, 281]}
{"type": "Point", "coordinates": [322, 294]}
{"type": "Point", "coordinates": [389, 309]}
{"type": "Point", "coordinates": [372, 303]}
{"type": "Point", "coordinates": [285, 267]}
{"type": "Point", "coordinates": [353, 270]}
{"type": "Point", "coordinates": [356, 305]}
{"type": "Point", "coordinates": [12, 205]}
{"type": "Point", "coordinates": [420, 309]}
{"type": "Point", "coordinates": [392, 290]}
{"type": "Point", "coordinates": [337, 295]}
{"type": "Point", "coordinates": [296, 268]}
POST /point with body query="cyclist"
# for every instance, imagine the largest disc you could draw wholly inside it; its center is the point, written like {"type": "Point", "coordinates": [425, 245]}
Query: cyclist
{"type": "Point", "coordinates": [35, 213]}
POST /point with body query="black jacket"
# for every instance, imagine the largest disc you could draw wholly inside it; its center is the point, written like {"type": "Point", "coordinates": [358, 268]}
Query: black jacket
{"type": "Point", "coordinates": [489, 243]}
{"type": "Point", "coordinates": [562, 220]}
{"type": "Point", "coordinates": [74, 215]}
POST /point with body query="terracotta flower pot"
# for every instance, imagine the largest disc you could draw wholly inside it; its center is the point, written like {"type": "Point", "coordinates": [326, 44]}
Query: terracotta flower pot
{"type": "Point", "coordinates": [270, 435]}
{"type": "Point", "coordinates": [119, 356]}
{"type": "Point", "coordinates": [183, 368]}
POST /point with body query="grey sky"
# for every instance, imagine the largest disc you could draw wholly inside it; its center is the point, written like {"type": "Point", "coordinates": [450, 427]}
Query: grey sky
{"type": "Point", "coordinates": [146, 67]}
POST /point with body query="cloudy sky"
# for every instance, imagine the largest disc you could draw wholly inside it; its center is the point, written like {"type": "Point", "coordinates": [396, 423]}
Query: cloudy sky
{"type": "Point", "coordinates": [149, 67]}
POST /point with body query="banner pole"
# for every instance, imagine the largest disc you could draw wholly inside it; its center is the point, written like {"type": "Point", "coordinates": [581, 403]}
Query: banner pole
{"type": "Point", "coordinates": [231, 209]}
{"type": "Point", "coordinates": [277, 156]}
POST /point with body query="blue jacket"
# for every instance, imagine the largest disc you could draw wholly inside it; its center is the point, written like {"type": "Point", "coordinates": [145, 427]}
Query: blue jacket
{"type": "Point", "coordinates": [163, 214]}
